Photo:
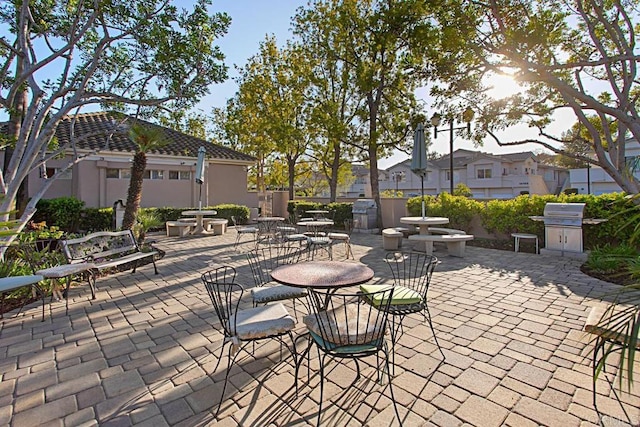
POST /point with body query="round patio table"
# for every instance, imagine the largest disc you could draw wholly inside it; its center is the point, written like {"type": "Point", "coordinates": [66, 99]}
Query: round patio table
{"type": "Point", "coordinates": [200, 214]}
{"type": "Point", "coordinates": [322, 275]}
{"type": "Point", "coordinates": [315, 227]}
{"type": "Point", "coordinates": [423, 223]}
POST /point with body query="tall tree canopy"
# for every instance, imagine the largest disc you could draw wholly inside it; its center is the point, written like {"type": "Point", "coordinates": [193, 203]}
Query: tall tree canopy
{"type": "Point", "coordinates": [381, 44]}
{"type": "Point", "coordinates": [58, 57]}
{"type": "Point", "coordinates": [573, 58]}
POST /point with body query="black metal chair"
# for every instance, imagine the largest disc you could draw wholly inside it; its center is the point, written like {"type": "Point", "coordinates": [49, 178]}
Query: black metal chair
{"type": "Point", "coordinates": [240, 327]}
{"type": "Point", "coordinates": [412, 273]}
{"type": "Point", "coordinates": [243, 231]}
{"type": "Point", "coordinates": [341, 327]}
{"type": "Point", "coordinates": [344, 237]}
{"type": "Point", "coordinates": [262, 261]}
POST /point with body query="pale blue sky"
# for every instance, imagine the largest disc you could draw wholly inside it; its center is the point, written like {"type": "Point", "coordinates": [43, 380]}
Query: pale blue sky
{"type": "Point", "coordinates": [252, 20]}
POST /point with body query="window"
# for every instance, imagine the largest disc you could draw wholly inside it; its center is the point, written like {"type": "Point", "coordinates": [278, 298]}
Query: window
{"type": "Point", "coordinates": [483, 173]}
{"type": "Point", "coordinates": [64, 175]}
{"type": "Point", "coordinates": [113, 173]}
{"type": "Point", "coordinates": [181, 175]}
{"type": "Point", "coordinates": [153, 174]}
{"type": "Point", "coordinates": [447, 175]}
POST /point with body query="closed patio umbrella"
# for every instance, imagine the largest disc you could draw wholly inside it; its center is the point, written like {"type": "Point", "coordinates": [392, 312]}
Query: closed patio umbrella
{"type": "Point", "coordinates": [200, 172]}
{"type": "Point", "coordinates": [419, 159]}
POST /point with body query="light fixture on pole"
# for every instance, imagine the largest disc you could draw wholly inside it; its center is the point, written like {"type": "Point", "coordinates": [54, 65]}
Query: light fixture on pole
{"type": "Point", "coordinates": [467, 116]}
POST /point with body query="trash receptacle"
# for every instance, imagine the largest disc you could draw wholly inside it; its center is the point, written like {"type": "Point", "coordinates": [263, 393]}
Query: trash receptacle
{"type": "Point", "coordinates": [118, 214]}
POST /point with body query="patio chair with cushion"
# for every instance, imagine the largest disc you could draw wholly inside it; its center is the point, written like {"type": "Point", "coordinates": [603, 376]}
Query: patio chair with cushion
{"type": "Point", "coordinates": [412, 273]}
{"type": "Point", "coordinates": [240, 327]}
{"type": "Point", "coordinates": [243, 231]}
{"type": "Point", "coordinates": [262, 261]}
{"type": "Point", "coordinates": [341, 327]}
{"type": "Point", "coordinates": [345, 237]}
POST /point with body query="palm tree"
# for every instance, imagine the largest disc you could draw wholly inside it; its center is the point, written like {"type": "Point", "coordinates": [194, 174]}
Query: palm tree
{"type": "Point", "coordinates": [146, 139]}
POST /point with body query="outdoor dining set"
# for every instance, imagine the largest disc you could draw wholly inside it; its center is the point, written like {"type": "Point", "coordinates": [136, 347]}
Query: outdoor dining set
{"type": "Point", "coordinates": [345, 316]}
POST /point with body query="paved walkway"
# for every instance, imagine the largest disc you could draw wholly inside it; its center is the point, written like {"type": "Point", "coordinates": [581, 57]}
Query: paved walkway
{"type": "Point", "coordinates": [143, 353]}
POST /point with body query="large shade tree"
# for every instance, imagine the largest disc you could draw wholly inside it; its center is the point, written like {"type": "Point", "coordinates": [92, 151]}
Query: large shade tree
{"type": "Point", "coordinates": [334, 102]}
{"type": "Point", "coordinates": [575, 59]}
{"type": "Point", "coordinates": [59, 57]}
{"type": "Point", "coordinates": [382, 43]}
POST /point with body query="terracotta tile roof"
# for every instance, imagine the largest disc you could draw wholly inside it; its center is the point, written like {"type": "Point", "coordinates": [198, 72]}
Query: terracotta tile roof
{"type": "Point", "coordinates": [94, 126]}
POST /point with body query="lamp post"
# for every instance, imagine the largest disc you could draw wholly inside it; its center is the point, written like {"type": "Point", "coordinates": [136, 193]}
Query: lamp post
{"type": "Point", "coordinates": [467, 116]}
{"type": "Point", "coordinates": [397, 177]}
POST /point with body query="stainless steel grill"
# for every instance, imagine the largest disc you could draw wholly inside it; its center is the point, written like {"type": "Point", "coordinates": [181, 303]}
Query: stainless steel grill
{"type": "Point", "coordinates": [364, 213]}
{"type": "Point", "coordinates": [564, 214]}
{"type": "Point", "coordinates": [563, 226]}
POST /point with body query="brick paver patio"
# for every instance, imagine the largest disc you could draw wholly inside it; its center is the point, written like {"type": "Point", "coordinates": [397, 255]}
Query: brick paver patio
{"type": "Point", "coordinates": [144, 351]}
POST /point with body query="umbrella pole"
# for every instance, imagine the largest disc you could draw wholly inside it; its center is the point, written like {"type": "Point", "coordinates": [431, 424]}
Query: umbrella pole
{"type": "Point", "coordinates": [200, 199]}
{"type": "Point", "coordinates": [422, 190]}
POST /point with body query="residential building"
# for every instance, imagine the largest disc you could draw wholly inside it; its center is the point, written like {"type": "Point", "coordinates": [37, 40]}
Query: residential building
{"type": "Point", "coordinates": [488, 176]}
{"type": "Point", "coordinates": [102, 177]}
{"type": "Point", "coordinates": [594, 180]}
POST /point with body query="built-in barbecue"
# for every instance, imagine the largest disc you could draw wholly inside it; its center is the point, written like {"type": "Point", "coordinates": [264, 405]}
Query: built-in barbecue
{"type": "Point", "coordinates": [563, 226]}
{"type": "Point", "coordinates": [364, 213]}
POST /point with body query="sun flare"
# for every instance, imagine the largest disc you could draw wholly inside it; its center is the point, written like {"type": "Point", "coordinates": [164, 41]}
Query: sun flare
{"type": "Point", "coordinates": [501, 85]}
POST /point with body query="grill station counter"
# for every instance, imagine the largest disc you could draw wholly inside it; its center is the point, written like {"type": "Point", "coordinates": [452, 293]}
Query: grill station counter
{"type": "Point", "coordinates": [563, 227]}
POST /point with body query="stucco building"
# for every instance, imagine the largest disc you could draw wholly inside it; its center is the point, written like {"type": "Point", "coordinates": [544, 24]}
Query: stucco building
{"type": "Point", "coordinates": [102, 177]}
{"type": "Point", "coordinates": [488, 176]}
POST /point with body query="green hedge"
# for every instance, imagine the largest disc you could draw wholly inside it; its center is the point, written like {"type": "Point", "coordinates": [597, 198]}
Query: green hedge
{"type": "Point", "coordinates": [70, 215]}
{"type": "Point", "coordinates": [63, 212]}
{"type": "Point", "coordinates": [460, 210]}
{"type": "Point", "coordinates": [509, 216]}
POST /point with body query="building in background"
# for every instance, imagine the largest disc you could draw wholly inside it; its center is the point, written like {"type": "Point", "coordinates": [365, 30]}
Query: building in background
{"type": "Point", "coordinates": [488, 176]}
{"type": "Point", "coordinates": [594, 180]}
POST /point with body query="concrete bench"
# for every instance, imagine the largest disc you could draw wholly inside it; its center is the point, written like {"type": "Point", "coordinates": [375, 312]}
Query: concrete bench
{"type": "Point", "coordinates": [217, 225]}
{"type": "Point", "coordinates": [15, 282]}
{"type": "Point", "coordinates": [592, 326]}
{"type": "Point", "coordinates": [179, 228]}
{"type": "Point", "coordinates": [608, 340]}
{"type": "Point", "coordinates": [391, 239]}
{"type": "Point", "coordinates": [455, 242]}
{"type": "Point", "coordinates": [440, 230]}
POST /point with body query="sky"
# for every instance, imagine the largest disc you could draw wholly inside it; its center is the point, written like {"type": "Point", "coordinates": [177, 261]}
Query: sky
{"type": "Point", "coordinates": [252, 20]}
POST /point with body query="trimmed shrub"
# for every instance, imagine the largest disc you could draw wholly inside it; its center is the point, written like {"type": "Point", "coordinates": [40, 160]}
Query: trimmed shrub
{"type": "Point", "coordinates": [63, 212]}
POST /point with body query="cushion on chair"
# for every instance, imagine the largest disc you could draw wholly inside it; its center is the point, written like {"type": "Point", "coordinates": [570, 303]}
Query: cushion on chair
{"type": "Point", "coordinates": [338, 236]}
{"type": "Point", "coordinates": [248, 229]}
{"type": "Point", "coordinates": [263, 321]}
{"type": "Point", "coordinates": [401, 295]}
{"type": "Point", "coordinates": [265, 294]}
{"type": "Point", "coordinates": [295, 237]}
{"type": "Point", "coordinates": [339, 325]}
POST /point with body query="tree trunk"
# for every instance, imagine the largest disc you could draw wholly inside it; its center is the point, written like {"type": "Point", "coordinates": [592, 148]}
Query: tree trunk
{"type": "Point", "coordinates": [335, 166]}
{"type": "Point", "coordinates": [291, 170]}
{"type": "Point", "coordinates": [15, 124]}
{"type": "Point", "coordinates": [135, 190]}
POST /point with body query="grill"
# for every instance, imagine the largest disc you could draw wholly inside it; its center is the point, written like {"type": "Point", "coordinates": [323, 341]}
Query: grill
{"type": "Point", "coordinates": [364, 213]}
{"type": "Point", "coordinates": [563, 226]}
{"type": "Point", "coordinates": [563, 214]}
